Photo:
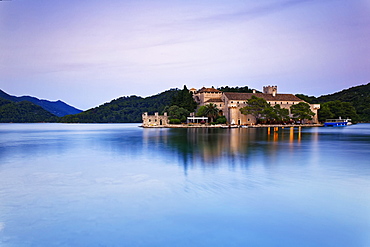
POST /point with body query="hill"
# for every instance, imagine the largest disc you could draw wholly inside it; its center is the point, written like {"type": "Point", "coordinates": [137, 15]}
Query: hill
{"type": "Point", "coordinates": [358, 96]}
{"type": "Point", "coordinates": [58, 108]}
{"type": "Point", "coordinates": [23, 112]}
{"type": "Point", "coordinates": [123, 110]}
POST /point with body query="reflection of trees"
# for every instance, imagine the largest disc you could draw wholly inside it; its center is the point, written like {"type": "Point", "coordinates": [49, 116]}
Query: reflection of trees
{"type": "Point", "coordinates": [212, 146]}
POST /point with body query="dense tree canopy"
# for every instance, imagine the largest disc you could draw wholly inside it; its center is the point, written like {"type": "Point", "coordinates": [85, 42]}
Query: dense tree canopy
{"type": "Point", "coordinates": [244, 89]}
{"type": "Point", "coordinates": [263, 111]}
{"type": "Point", "coordinates": [358, 96]}
{"type": "Point", "coordinates": [23, 112]}
{"type": "Point", "coordinates": [184, 99]}
{"type": "Point", "coordinates": [337, 109]}
{"type": "Point", "coordinates": [176, 112]}
{"type": "Point", "coordinates": [301, 111]}
{"type": "Point", "coordinates": [124, 109]}
{"type": "Point", "coordinates": [277, 114]}
{"type": "Point", "coordinates": [256, 107]}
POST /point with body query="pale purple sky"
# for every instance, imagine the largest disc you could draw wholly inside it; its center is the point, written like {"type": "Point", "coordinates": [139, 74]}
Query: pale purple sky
{"type": "Point", "coordinates": [88, 52]}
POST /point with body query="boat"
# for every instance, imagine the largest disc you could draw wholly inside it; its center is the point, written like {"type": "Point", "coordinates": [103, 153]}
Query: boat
{"type": "Point", "coordinates": [337, 122]}
{"type": "Point", "coordinates": [229, 126]}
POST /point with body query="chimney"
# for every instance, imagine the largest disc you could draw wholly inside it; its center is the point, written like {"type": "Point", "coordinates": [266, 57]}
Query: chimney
{"type": "Point", "coordinates": [254, 90]}
{"type": "Point", "coordinates": [273, 93]}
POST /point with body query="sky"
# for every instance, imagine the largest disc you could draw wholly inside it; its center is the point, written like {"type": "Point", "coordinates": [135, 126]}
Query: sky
{"type": "Point", "coordinates": [89, 52]}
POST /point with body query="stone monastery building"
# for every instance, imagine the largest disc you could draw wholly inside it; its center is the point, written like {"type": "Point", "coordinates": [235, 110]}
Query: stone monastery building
{"type": "Point", "coordinates": [230, 103]}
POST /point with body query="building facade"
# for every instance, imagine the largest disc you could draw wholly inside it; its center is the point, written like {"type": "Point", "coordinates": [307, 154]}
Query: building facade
{"type": "Point", "coordinates": [155, 120]}
{"type": "Point", "coordinates": [230, 103]}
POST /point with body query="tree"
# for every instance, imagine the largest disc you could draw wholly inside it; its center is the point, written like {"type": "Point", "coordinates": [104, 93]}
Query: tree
{"type": "Point", "coordinates": [336, 109]}
{"type": "Point", "coordinates": [201, 111]}
{"type": "Point", "coordinates": [309, 99]}
{"type": "Point", "coordinates": [257, 107]}
{"type": "Point", "coordinates": [301, 111]}
{"type": "Point", "coordinates": [282, 114]}
{"type": "Point", "coordinates": [184, 99]}
{"type": "Point", "coordinates": [325, 112]}
{"type": "Point", "coordinates": [211, 111]}
{"type": "Point", "coordinates": [221, 120]}
{"type": "Point", "coordinates": [244, 89]}
{"type": "Point", "coordinates": [175, 112]}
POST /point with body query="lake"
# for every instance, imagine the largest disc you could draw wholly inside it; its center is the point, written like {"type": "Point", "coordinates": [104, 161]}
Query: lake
{"type": "Point", "coordinates": [121, 185]}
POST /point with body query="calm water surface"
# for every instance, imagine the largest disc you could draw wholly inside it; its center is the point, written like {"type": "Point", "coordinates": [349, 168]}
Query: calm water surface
{"type": "Point", "coordinates": [120, 185]}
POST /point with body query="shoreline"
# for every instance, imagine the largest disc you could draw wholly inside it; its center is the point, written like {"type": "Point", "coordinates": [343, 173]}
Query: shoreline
{"type": "Point", "coordinates": [234, 126]}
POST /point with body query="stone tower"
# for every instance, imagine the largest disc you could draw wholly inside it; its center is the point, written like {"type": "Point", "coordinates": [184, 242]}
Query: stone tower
{"type": "Point", "coordinates": [270, 90]}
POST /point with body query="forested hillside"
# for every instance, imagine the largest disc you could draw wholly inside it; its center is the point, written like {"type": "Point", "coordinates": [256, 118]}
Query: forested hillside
{"type": "Point", "coordinates": [23, 112]}
{"type": "Point", "coordinates": [353, 102]}
{"type": "Point", "coordinates": [58, 108]}
{"type": "Point", "coordinates": [358, 97]}
{"type": "Point", "coordinates": [124, 109]}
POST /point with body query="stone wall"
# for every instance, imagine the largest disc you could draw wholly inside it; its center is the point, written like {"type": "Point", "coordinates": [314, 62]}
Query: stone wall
{"type": "Point", "coordinates": [155, 120]}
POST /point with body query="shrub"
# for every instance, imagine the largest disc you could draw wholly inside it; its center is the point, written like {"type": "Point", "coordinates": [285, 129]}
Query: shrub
{"type": "Point", "coordinates": [221, 120]}
{"type": "Point", "coordinates": [175, 121]}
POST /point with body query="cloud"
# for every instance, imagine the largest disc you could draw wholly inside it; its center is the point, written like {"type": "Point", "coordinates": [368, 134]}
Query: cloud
{"type": "Point", "coordinates": [251, 13]}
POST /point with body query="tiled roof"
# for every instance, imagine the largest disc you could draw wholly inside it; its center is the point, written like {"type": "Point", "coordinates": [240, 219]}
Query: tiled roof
{"type": "Point", "coordinates": [267, 97]}
{"type": "Point", "coordinates": [209, 90]}
{"type": "Point", "coordinates": [214, 100]}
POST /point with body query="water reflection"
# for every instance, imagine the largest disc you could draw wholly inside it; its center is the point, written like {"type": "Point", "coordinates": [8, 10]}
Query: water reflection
{"type": "Point", "coordinates": [104, 185]}
{"type": "Point", "coordinates": [215, 147]}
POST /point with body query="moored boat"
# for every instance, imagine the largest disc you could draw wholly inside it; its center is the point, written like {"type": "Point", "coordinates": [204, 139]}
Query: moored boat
{"type": "Point", "coordinates": [337, 122]}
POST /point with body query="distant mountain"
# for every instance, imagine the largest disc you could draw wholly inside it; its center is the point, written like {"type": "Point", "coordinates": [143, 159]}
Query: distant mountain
{"type": "Point", "coordinates": [124, 109]}
{"type": "Point", "coordinates": [58, 108]}
{"type": "Point", "coordinates": [358, 96]}
{"type": "Point", "coordinates": [23, 112]}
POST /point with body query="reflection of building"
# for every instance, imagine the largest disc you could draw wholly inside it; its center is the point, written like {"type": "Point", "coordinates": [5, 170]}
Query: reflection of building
{"type": "Point", "coordinates": [154, 120]}
{"type": "Point", "coordinates": [230, 103]}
